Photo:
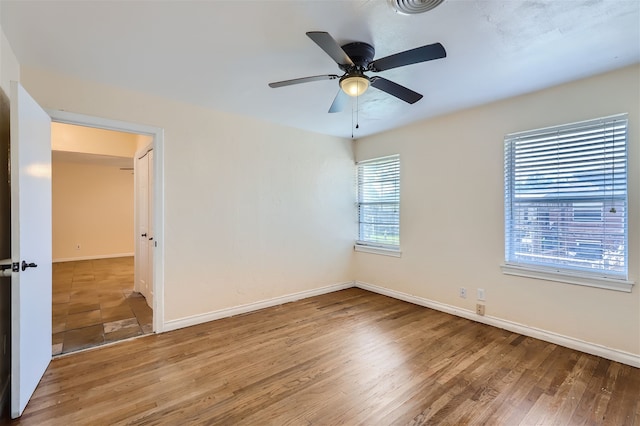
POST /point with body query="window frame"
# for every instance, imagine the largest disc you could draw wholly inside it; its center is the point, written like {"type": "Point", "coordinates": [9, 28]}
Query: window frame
{"type": "Point", "coordinates": [370, 246]}
{"type": "Point", "coordinates": [566, 273]}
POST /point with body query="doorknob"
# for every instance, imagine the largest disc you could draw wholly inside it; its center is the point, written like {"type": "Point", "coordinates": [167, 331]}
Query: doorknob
{"type": "Point", "coordinates": [144, 235]}
{"type": "Point", "coordinates": [26, 265]}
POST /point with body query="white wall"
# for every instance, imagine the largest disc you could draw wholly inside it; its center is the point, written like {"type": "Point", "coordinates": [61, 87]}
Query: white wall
{"type": "Point", "coordinates": [93, 208]}
{"type": "Point", "coordinates": [253, 210]}
{"type": "Point", "coordinates": [9, 66]}
{"type": "Point", "coordinates": [452, 213]}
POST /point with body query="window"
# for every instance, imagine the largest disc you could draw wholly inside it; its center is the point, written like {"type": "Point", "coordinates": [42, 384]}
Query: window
{"type": "Point", "coordinates": [588, 212]}
{"type": "Point", "coordinates": [566, 201]}
{"type": "Point", "coordinates": [379, 202]}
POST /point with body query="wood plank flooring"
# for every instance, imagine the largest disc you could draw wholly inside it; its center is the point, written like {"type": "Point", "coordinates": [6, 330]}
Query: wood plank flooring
{"type": "Point", "coordinates": [346, 358]}
{"type": "Point", "coordinates": [94, 303]}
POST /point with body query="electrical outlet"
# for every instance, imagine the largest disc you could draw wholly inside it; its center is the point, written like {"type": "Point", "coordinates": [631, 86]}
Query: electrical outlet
{"type": "Point", "coordinates": [481, 294]}
{"type": "Point", "coordinates": [463, 292]}
{"type": "Point", "coordinates": [480, 308]}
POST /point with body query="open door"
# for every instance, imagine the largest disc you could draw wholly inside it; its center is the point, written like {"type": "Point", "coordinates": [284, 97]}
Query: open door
{"type": "Point", "coordinates": [30, 246]}
{"type": "Point", "coordinates": [145, 226]}
{"type": "Point", "coordinates": [151, 230]}
{"type": "Point", "coordinates": [142, 212]}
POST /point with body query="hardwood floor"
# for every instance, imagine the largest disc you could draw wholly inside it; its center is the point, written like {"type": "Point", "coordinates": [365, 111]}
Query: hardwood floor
{"type": "Point", "coordinates": [94, 303]}
{"type": "Point", "coordinates": [349, 357]}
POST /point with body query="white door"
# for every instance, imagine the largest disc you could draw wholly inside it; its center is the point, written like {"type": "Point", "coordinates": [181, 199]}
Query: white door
{"type": "Point", "coordinates": [30, 246]}
{"type": "Point", "coordinates": [150, 225]}
{"type": "Point", "coordinates": [143, 260]}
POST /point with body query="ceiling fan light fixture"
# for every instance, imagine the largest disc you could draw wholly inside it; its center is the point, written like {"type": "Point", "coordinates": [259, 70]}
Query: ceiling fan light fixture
{"type": "Point", "coordinates": [354, 85]}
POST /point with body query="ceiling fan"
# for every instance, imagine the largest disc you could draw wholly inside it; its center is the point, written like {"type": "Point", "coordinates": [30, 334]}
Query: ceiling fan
{"type": "Point", "coordinates": [357, 58]}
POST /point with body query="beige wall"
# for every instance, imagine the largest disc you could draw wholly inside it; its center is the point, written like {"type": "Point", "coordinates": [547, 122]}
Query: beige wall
{"type": "Point", "coordinates": [93, 208]}
{"type": "Point", "coordinates": [253, 210]}
{"type": "Point", "coordinates": [67, 137]}
{"type": "Point", "coordinates": [452, 213]}
{"type": "Point", "coordinates": [92, 203]}
{"type": "Point", "coordinates": [142, 142]}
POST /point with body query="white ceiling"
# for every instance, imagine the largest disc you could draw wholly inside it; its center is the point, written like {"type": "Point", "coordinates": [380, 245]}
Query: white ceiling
{"type": "Point", "coordinates": [222, 54]}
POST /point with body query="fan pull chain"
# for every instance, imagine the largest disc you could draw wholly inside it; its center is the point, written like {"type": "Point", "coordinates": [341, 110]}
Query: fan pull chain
{"type": "Point", "coordinates": [357, 112]}
{"type": "Point", "coordinates": [351, 118]}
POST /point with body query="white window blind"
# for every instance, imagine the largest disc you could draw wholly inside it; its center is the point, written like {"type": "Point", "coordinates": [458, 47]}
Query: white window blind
{"type": "Point", "coordinates": [566, 198]}
{"type": "Point", "coordinates": [379, 202]}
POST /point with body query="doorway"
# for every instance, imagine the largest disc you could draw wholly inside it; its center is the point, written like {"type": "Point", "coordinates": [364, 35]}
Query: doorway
{"type": "Point", "coordinates": [122, 308]}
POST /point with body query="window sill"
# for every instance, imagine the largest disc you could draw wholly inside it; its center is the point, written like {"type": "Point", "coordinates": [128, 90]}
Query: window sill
{"type": "Point", "coordinates": [568, 277]}
{"type": "Point", "coordinates": [378, 250]}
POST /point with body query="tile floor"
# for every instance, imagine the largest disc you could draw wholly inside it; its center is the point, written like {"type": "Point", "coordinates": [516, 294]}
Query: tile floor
{"type": "Point", "coordinates": [94, 303]}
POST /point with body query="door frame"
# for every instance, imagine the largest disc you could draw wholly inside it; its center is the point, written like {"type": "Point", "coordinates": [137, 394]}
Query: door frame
{"type": "Point", "coordinates": [157, 145]}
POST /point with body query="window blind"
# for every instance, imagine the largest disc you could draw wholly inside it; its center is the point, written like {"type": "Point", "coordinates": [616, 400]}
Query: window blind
{"type": "Point", "coordinates": [379, 201]}
{"type": "Point", "coordinates": [566, 197]}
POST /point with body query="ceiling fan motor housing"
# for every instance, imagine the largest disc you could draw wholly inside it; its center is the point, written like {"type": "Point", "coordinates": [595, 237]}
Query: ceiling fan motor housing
{"type": "Point", "coordinates": [360, 53]}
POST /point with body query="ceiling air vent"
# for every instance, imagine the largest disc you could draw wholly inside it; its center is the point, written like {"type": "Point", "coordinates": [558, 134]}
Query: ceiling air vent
{"type": "Point", "coordinates": [413, 7]}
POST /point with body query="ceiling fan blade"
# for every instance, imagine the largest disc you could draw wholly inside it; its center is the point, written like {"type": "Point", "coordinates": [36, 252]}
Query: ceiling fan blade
{"type": "Point", "coordinates": [396, 90]}
{"type": "Point", "coordinates": [331, 47]}
{"type": "Point", "coordinates": [303, 80]}
{"type": "Point", "coordinates": [339, 102]}
{"type": "Point", "coordinates": [408, 57]}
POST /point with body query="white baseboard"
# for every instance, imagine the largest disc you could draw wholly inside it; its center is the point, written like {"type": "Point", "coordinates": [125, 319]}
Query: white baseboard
{"type": "Point", "coordinates": [548, 336]}
{"type": "Point", "coordinates": [95, 257]}
{"type": "Point", "coordinates": [243, 309]}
